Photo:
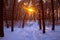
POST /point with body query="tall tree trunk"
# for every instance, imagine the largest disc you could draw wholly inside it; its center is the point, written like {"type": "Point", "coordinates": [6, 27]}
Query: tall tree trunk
{"type": "Point", "coordinates": [43, 16]}
{"type": "Point", "coordinates": [53, 19]}
{"type": "Point", "coordinates": [6, 19]}
{"type": "Point", "coordinates": [1, 19]}
{"type": "Point", "coordinates": [12, 28]}
{"type": "Point", "coordinates": [23, 20]}
{"type": "Point", "coordinates": [39, 20]}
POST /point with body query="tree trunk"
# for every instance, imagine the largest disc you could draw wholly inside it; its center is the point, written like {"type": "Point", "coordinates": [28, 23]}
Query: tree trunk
{"type": "Point", "coordinates": [6, 19]}
{"type": "Point", "coordinates": [53, 20]}
{"type": "Point", "coordinates": [43, 17]}
{"type": "Point", "coordinates": [39, 19]}
{"type": "Point", "coordinates": [12, 28]}
{"type": "Point", "coordinates": [1, 19]}
{"type": "Point", "coordinates": [23, 20]}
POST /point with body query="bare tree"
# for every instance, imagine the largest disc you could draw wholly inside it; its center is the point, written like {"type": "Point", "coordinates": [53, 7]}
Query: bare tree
{"type": "Point", "coordinates": [12, 28]}
{"type": "Point", "coordinates": [39, 18]}
{"type": "Point", "coordinates": [23, 20]}
{"type": "Point", "coordinates": [1, 19]}
{"type": "Point", "coordinates": [42, 16]}
{"type": "Point", "coordinates": [53, 20]}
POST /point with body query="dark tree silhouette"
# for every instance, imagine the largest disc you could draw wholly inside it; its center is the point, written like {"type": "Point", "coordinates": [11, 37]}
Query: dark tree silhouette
{"type": "Point", "coordinates": [23, 21]}
{"type": "Point", "coordinates": [43, 23]}
{"type": "Point", "coordinates": [12, 28]}
{"type": "Point", "coordinates": [39, 18]}
{"type": "Point", "coordinates": [1, 19]}
{"type": "Point", "coordinates": [53, 20]}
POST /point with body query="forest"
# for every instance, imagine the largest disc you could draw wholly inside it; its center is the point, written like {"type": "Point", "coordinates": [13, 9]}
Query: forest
{"type": "Point", "coordinates": [45, 12]}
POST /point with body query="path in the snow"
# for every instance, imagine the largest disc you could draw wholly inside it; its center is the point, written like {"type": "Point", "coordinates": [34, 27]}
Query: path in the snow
{"type": "Point", "coordinates": [31, 32]}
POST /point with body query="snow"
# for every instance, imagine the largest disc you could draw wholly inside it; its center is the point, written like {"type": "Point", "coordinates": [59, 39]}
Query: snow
{"type": "Point", "coordinates": [31, 32]}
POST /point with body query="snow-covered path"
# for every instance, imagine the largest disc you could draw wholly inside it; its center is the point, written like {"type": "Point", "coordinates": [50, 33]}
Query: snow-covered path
{"type": "Point", "coordinates": [31, 32]}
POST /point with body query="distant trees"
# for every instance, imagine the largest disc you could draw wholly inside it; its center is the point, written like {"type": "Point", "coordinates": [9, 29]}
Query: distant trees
{"type": "Point", "coordinates": [1, 19]}
{"type": "Point", "coordinates": [57, 9]}
{"type": "Point", "coordinates": [6, 10]}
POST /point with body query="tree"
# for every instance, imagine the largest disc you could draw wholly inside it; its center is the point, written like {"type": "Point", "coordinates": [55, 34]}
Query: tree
{"type": "Point", "coordinates": [1, 19]}
{"type": "Point", "coordinates": [53, 20]}
{"type": "Point", "coordinates": [23, 21]}
{"type": "Point", "coordinates": [12, 28]}
{"type": "Point", "coordinates": [42, 16]}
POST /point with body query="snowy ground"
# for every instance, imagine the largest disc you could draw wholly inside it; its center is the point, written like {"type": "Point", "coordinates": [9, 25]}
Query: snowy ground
{"type": "Point", "coordinates": [31, 32]}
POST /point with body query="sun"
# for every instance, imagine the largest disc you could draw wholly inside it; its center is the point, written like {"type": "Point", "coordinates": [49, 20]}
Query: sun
{"type": "Point", "coordinates": [30, 10]}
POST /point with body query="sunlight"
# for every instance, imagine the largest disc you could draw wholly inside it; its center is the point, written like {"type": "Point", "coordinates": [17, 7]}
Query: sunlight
{"type": "Point", "coordinates": [26, 3]}
{"type": "Point", "coordinates": [30, 10]}
{"type": "Point", "coordinates": [19, 0]}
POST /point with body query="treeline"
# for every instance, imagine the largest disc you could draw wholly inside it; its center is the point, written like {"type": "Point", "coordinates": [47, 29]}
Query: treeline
{"type": "Point", "coordinates": [11, 10]}
{"type": "Point", "coordinates": [18, 12]}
